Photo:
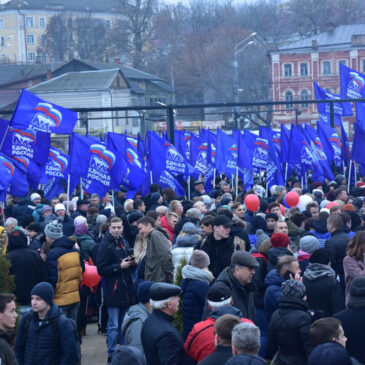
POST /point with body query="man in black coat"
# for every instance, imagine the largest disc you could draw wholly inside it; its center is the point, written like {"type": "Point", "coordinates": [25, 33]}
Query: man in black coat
{"type": "Point", "coordinates": [116, 266]}
{"type": "Point", "coordinates": [238, 276]}
{"type": "Point", "coordinates": [289, 326]}
{"type": "Point", "coordinates": [337, 245]}
{"type": "Point", "coordinates": [223, 340]}
{"type": "Point", "coordinates": [219, 245]}
{"type": "Point", "coordinates": [27, 267]}
{"type": "Point", "coordinates": [324, 292]}
{"type": "Point", "coordinates": [162, 343]}
{"type": "Point", "coordinates": [353, 319]}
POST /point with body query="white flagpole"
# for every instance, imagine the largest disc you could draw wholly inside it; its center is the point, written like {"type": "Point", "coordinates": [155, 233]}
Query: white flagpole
{"type": "Point", "coordinates": [81, 189]}
{"type": "Point", "coordinates": [113, 198]}
{"type": "Point", "coordinates": [68, 192]}
{"type": "Point", "coordinates": [286, 172]}
{"type": "Point", "coordinates": [236, 181]}
{"type": "Point", "coordinates": [189, 193]}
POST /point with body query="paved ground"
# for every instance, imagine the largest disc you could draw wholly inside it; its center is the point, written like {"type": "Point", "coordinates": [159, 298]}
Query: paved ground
{"type": "Point", "coordinates": [93, 347]}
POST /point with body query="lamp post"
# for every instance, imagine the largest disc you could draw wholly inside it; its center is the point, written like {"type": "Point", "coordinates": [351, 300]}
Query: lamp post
{"type": "Point", "coordinates": [238, 48]}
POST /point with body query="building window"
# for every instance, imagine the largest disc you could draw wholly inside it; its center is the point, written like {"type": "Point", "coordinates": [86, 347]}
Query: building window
{"type": "Point", "coordinates": [44, 58]}
{"type": "Point", "coordinates": [1, 23]}
{"type": "Point", "coordinates": [326, 68]}
{"type": "Point", "coordinates": [135, 122]}
{"type": "Point", "coordinates": [288, 99]}
{"type": "Point", "coordinates": [2, 39]}
{"type": "Point", "coordinates": [42, 22]}
{"type": "Point", "coordinates": [304, 69]}
{"type": "Point", "coordinates": [31, 56]}
{"type": "Point", "coordinates": [42, 39]}
{"type": "Point", "coordinates": [30, 39]}
{"type": "Point", "coordinates": [29, 22]}
{"type": "Point", "coordinates": [363, 66]}
{"type": "Point", "coordinates": [288, 70]}
{"type": "Point", "coordinates": [304, 96]}
{"type": "Point", "coordinates": [108, 24]}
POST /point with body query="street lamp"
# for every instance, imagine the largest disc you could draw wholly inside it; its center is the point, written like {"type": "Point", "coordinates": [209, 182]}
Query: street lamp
{"type": "Point", "coordinates": [238, 48]}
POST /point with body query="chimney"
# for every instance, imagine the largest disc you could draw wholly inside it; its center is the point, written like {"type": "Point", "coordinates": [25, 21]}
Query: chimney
{"type": "Point", "coordinates": [117, 60]}
{"type": "Point", "coordinates": [49, 74]}
{"type": "Point", "coordinates": [330, 27]}
{"type": "Point", "coordinates": [314, 44]}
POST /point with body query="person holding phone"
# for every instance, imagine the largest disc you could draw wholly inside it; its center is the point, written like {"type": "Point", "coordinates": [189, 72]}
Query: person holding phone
{"type": "Point", "coordinates": [116, 265]}
{"type": "Point", "coordinates": [287, 268]}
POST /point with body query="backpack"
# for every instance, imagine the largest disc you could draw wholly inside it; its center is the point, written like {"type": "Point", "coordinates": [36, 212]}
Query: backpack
{"type": "Point", "coordinates": [55, 326]}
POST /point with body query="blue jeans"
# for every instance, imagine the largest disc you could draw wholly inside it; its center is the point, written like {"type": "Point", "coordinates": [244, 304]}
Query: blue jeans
{"type": "Point", "coordinates": [114, 325]}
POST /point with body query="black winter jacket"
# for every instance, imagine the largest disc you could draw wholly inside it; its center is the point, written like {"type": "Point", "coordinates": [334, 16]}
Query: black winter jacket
{"type": "Point", "coordinates": [353, 323]}
{"type": "Point", "coordinates": [68, 226]}
{"type": "Point", "coordinates": [242, 295]}
{"type": "Point", "coordinates": [119, 288]}
{"type": "Point", "coordinates": [220, 356]}
{"type": "Point", "coordinates": [289, 332]}
{"type": "Point", "coordinates": [39, 346]}
{"type": "Point", "coordinates": [7, 355]}
{"type": "Point", "coordinates": [273, 256]}
{"type": "Point", "coordinates": [337, 245]}
{"type": "Point", "coordinates": [243, 359]}
{"type": "Point", "coordinates": [28, 268]}
{"type": "Point", "coordinates": [162, 343]}
{"type": "Point", "coordinates": [323, 290]}
{"type": "Point", "coordinates": [259, 280]}
{"type": "Point", "coordinates": [219, 253]}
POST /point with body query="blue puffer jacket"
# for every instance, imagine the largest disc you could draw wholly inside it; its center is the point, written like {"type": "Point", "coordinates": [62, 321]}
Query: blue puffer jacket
{"type": "Point", "coordinates": [39, 346]}
{"type": "Point", "coordinates": [273, 293]}
{"type": "Point", "coordinates": [194, 288]}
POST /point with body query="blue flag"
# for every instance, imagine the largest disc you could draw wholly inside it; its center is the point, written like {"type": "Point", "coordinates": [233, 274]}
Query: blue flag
{"type": "Point", "coordinates": [260, 154]}
{"type": "Point", "coordinates": [330, 142]}
{"type": "Point", "coordinates": [340, 109]}
{"type": "Point", "coordinates": [285, 135]}
{"type": "Point", "coordinates": [246, 149]}
{"type": "Point", "coordinates": [100, 167]}
{"type": "Point", "coordinates": [166, 180]}
{"type": "Point", "coordinates": [34, 113]}
{"type": "Point", "coordinates": [227, 154]}
{"type": "Point", "coordinates": [352, 87]}
{"type": "Point", "coordinates": [165, 157]}
{"type": "Point", "coordinates": [200, 155]}
{"type": "Point", "coordinates": [28, 143]}
{"type": "Point", "coordinates": [182, 143]}
{"type": "Point", "coordinates": [322, 167]}
{"type": "Point", "coordinates": [345, 146]}
{"type": "Point", "coordinates": [55, 171]}
{"type": "Point", "coordinates": [19, 183]}
{"type": "Point", "coordinates": [128, 147]}
{"type": "Point", "coordinates": [357, 153]}
{"type": "Point", "coordinates": [7, 170]}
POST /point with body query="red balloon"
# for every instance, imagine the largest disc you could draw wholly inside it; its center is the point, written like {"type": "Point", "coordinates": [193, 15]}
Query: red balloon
{"type": "Point", "coordinates": [91, 276]}
{"type": "Point", "coordinates": [331, 204]}
{"type": "Point", "coordinates": [252, 202]}
{"type": "Point", "coordinates": [292, 198]}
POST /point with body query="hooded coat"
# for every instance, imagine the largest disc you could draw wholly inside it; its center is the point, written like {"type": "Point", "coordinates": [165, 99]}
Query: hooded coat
{"type": "Point", "coordinates": [289, 332]}
{"type": "Point", "coordinates": [132, 325]}
{"type": "Point", "coordinates": [273, 293]}
{"type": "Point", "coordinates": [194, 287]}
{"type": "Point", "coordinates": [323, 290]}
{"type": "Point", "coordinates": [28, 268]}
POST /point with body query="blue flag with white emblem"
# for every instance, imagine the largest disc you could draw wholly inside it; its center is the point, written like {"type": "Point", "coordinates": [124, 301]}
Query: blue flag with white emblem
{"type": "Point", "coordinates": [227, 154]}
{"type": "Point", "coordinates": [34, 113]}
{"type": "Point", "coordinates": [330, 142]}
{"type": "Point", "coordinates": [100, 167]}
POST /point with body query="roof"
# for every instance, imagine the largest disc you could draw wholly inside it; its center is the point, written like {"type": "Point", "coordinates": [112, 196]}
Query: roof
{"type": "Point", "coordinates": [340, 36]}
{"type": "Point", "coordinates": [8, 98]}
{"type": "Point", "coordinates": [82, 80]}
{"type": "Point", "coordinates": [104, 6]}
{"type": "Point", "coordinates": [128, 72]}
{"type": "Point", "coordinates": [15, 73]}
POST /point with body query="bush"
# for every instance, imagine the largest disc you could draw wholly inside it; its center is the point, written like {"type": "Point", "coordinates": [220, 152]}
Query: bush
{"type": "Point", "coordinates": [178, 322]}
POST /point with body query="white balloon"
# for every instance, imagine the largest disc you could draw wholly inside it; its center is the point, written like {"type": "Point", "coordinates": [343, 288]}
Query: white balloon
{"type": "Point", "coordinates": [303, 201]}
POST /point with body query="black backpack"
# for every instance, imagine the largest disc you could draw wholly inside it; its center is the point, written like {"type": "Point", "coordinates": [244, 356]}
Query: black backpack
{"type": "Point", "coordinates": [55, 326]}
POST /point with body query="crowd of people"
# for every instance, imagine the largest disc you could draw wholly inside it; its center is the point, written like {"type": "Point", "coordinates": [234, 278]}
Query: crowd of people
{"type": "Point", "coordinates": [175, 281]}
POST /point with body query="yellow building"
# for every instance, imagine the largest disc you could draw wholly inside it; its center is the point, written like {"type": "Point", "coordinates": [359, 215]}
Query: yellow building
{"type": "Point", "coordinates": [23, 24]}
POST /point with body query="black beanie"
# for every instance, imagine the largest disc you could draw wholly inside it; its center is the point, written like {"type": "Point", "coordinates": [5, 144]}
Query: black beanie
{"type": "Point", "coordinates": [44, 290]}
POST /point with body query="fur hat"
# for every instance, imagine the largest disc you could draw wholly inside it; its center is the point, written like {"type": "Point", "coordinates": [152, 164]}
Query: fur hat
{"type": "Point", "coordinates": [34, 196]}
{"type": "Point", "coordinates": [199, 259]}
{"type": "Point", "coordinates": [46, 208]}
{"type": "Point", "coordinates": [261, 237]}
{"type": "Point", "coordinates": [59, 206]}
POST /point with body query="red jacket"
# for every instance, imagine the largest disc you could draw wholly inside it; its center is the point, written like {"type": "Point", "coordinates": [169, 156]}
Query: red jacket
{"type": "Point", "coordinates": [168, 227]}
{"type": "Point", "coordinates": [200, 341]}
